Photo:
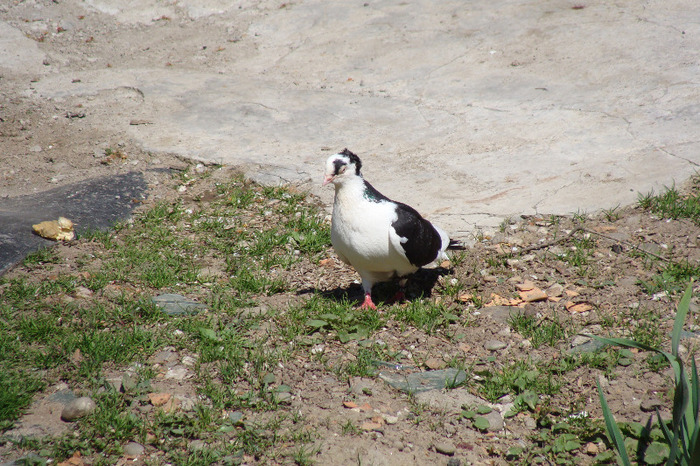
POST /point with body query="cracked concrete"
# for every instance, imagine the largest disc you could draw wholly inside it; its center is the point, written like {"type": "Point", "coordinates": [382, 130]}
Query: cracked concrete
{"type": "Point", "coordinates": [470, 112]}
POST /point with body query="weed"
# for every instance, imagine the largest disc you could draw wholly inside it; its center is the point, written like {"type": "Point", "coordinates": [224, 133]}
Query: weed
{"type": "Point", "coordinates": [613, 214]}
{"type": "Point", "coordinates": [424, 315]}
{"type": "Point", "coordinates": [44, 255]}
{"type": "Point", "coordinates": [681, 445]}
{"type": "Point", "coordinates": [544, 331]}
{"type": "Point", "coordinates": [672, 204]}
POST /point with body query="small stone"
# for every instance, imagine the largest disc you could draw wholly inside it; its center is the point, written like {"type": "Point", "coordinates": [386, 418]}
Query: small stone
{"type": "Point", "coordinates": [579, 340]}
{"type": "Point", "coordinates": [454, 462]}
{"type": "Point", "coordinates": [530, 422]}
{"type": "Point", "coordinates": [129, 382]}
{"type": "Point", "coordinates": [495, 421]}
{"type": "Point", "coordinates": [435, 363]}
{"type": "Point", "coordinates": [78, 408]}
{"type": "Point", "coordinates": [556, 290]}
{"type": "Point", "coordinates": [389, 419]}
{"type": "Point", "coordinates": [197, 445]}
{"type": "Point", "coordinates": [133, 449]}
{"type": "Point", "coordinates": [361, 386]}
{"type": "Point", "coordinates": [165, 356]}
{"type": "Point", "coordinates": [83, 292]}
{"type": "Point", "coordinates": [494, 345]}
{"type": "Point", "coordinates": [592, 449]}
{"type": "Point", "coordinates": [177, 373]}
{"type": "Point", "coordinates": [445, 447]}
{"type": "Point", "coordinates": [159, 399]}
{"type": "Point", "coordinates": [189, 360]}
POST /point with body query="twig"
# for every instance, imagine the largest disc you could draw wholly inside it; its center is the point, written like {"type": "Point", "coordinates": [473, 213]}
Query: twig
{"type": "Point", "coordinates": [551, 243]}
{"type": "Point", "coordinates": [587, 230]}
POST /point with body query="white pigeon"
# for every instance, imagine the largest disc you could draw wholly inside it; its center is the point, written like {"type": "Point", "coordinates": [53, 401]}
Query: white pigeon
{"type": "Point", "coordinates": [380, 238]}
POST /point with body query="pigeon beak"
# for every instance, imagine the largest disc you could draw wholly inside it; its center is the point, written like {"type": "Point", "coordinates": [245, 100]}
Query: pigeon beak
{"type": "Point", "coordinates": [327, 179]}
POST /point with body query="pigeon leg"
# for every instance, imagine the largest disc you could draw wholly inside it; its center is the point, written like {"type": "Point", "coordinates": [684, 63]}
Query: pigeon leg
{"type": "Point", "coordinates": [367, 282]}
{"type": "Point", "coordinates": [400, 295]}
{"type": "Point", "coordinates": [368, 302]}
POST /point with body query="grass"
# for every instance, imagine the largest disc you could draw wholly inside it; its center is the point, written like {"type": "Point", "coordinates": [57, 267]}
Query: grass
{"type": "Point", "coordinates": [672, 203]}
{"type": "Point", "coordinates": [242, 250]}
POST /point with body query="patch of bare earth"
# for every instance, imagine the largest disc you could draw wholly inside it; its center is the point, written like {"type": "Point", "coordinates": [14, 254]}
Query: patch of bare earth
{"type": "Point", "coordinates": [365, 420]}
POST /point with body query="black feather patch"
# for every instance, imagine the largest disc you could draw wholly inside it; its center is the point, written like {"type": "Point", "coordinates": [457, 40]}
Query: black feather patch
{"type": "Point", "coordinates": [424, 241]}
{"type": "Point", "coordinates": [373, 195]}
{"type": "Point", "coordinates": [353, 159]}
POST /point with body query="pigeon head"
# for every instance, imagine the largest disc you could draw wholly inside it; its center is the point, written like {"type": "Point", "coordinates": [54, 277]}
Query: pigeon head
{"type": "Point", "coordinates": [341, 166]}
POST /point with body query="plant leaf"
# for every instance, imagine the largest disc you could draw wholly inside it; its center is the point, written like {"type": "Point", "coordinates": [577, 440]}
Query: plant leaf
{"type": "Point", "coordinates": [613, 430]}
{"type": "Point", "coordinates": [481, 423]}
{"type": "Point", "coordinates": [681, 313]}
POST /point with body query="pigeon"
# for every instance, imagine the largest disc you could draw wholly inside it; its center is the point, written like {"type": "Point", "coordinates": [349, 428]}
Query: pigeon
{"type": "Point", "coordinates": [380, 238]}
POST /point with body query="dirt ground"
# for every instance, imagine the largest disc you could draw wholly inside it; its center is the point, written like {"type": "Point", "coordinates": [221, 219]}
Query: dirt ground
{"type": "Point", "coordinates": [47, 147]}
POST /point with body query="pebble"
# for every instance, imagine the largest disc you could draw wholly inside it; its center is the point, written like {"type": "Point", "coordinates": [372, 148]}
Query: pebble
{"type": "Point", "coordinates": [189, 360]}
{"type": "Point", "coordinates": [592, 449]}
{"type": "Point", "coordinates": [445, 447]}
{"type": "Point", "coordinates": [435, 363]}
{"type": "Point", "coordinates": [579, 340]}
{"type": "Point", "coordinates": [495, 421]}
{"type": "Point", "coordinates": [78, 408]}
{"type": "Point", "coordinates": [389, 419]}
{"type": "Point", "coordinates": [361, 386]}
{"type": "Point", "coordinates": [133, 449]}
{"type": "Point", "coordinates": [494, 345]}
{"type": "Point", "coordinates": [529, 422]}
{"type": "Point", "coordinates": [164, 356]}
{"type": "Point", "coordinates": [454, 462]}
{"type": "Point", "coordinates": [197, 445]}
{"type": "Point", "coordinates": [555, 290]}
{"type": "Point", "coordinates": [177, 373]}
{"type": "Point", "coordinates": [83, 292]}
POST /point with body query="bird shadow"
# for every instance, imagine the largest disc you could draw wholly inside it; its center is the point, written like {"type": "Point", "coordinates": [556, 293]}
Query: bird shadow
{"type": "Point", "coordinates": [420, 285]}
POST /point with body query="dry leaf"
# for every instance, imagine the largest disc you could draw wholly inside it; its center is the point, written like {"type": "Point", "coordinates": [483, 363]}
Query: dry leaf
{"type": "Point", "coordinates": [465, 298]}
{"type": "Point", "coordinates": [350, 404]}
{"type": "Point", "coordinates": [532, 295]}
{"type": "Point", "coordinates": [366, 407]}
{"type": "Point", "coordinates": [57, 230]}
{"type": "Point", "coordinates": [324, 262]}
{"type": "Point", "coordinates": [497, 300]}
{"type": "Point", "coordinates": [465, 347]}
{"type": "Point", "coordinates": [74, 460]}
{"type": "Point", "coordinates": [369, 426]}
{"type": "Point", "coordinates": [571, 293]}
{"type": "Point", "coordinates": [577, 308]}
{"type": "Point", "coordinates": [525, 286]}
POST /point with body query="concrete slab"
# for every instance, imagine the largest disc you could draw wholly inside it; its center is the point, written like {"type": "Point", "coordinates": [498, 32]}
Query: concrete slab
{"type": "Point", "coordinates": [471, 112]}
{"type": "Point", "coordinates": [93, 204]}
